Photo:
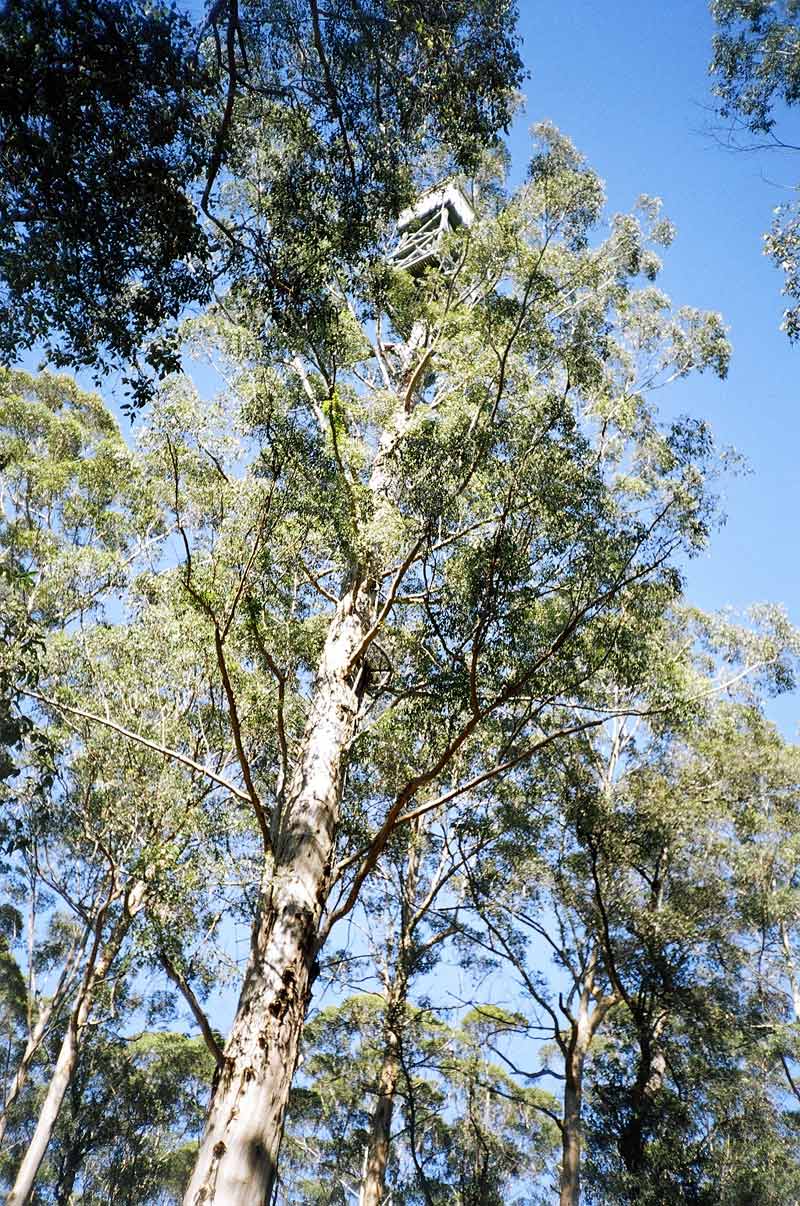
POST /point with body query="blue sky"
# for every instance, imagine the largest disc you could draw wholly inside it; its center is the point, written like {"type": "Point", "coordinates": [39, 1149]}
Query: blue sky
{"type": "Point", "coordinates": [628, 82]}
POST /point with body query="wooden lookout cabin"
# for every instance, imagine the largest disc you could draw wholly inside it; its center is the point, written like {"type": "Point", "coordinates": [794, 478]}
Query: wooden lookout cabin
{"type": "Point", "coordinates": [423, 225]}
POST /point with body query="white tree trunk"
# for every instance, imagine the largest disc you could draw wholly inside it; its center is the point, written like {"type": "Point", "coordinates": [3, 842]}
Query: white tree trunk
{"type": "Point", "coordinates": [98, 965]}
{"type": "Point", "coordinates": [37, 1034]}
{"type": "Point", "coordinates": [583, 1028]}
{"type": "Point", "coordinates": [237, 1160]}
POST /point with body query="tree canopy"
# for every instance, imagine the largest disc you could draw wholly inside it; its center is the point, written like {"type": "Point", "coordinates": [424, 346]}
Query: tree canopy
{"type": "Point", "coordinates": [756, 66]}
{"type": "Point", "coordinates": [124, 129]}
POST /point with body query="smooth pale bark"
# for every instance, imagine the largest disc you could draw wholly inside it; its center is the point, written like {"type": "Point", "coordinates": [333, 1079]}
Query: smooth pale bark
{"type": "Point", "coordinates": [98, 965]}
{"type": "Point", "coordinates": [583, 1028]}
{"type": "Point", "coordinates": [36, 1036]}
{"type": "Point", "coordinates": [373, 1184]}
{"type": "Point", "coordinates": [21, 1075]}
{"type": "Point", "coordinates": [238, 1154]}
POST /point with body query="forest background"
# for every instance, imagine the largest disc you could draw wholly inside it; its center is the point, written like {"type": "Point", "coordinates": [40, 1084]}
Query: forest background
{"type": "Point", "coordinates": [630, 89]}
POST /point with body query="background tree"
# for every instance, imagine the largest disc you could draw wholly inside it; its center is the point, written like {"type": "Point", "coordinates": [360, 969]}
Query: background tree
{"type": "Point", "coordinates": [558, 877]}
{"type": "Point", "coordinates": [757, 68]}
{"type": "Point", "coordinates": [65, 536]}
{"type": "Point", "coordinates": [468, 1133]}
{"type": "Point", "coordinates": [685, 1063]}
{"type": "Point", "coordinates": [134, 1107]}
{"type": "Point", "coordinates": [102, 830]}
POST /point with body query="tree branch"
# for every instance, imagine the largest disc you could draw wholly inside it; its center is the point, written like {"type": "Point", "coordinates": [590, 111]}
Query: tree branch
{"type": "Point", "coordinates": [163, 750]}
{"type": "Point", "coordinates": [186, 991]}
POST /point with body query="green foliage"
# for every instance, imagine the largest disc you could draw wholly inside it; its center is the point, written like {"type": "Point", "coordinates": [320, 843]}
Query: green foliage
{"type": "Point", "coordinates": [473, 463]}
{"type": "Point", "coordinates": [466, 1133]}
{"type": "Point", "coordinates": [690, 1064]}
{"type": "Point", "coordinates": [102, 136]}
{"type": "Point", "coordinates": [130, 1121]}
{"type": "Point", "coordinates": [756, 64]}
{"type": "Point", "coordinates": [13, 989]}
{"type": "Point", "coordinates": [66, 479]}
{"type": "Point", "coordinates": [124, 128]}
{"type": "Point", "coordinates": [91, 817]}
{"type": "Point", "coordinates": [756, 59]}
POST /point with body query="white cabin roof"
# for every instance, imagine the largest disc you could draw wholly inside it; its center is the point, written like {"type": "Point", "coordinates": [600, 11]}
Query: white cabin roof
{"type": "Point", "coordinates": [433, 201]}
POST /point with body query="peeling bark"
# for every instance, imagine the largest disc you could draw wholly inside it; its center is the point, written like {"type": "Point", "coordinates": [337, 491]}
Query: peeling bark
{"type": "Point", "coordinates": [238, 1155]}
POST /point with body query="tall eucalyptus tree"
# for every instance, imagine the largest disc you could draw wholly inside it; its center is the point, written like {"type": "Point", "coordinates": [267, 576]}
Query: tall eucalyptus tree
{"type": "Point", "coordinates": [444, 551]}
{"type": "Point", "coordinates": [437, 512]}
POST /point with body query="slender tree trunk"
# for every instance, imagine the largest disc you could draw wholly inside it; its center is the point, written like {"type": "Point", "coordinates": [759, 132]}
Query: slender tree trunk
{"type": "Point", "coordinates": [237, 1160]}
{"type": "Point", "coordinates": [100, 959]}
{"type": "Point", "coordinates": [583, 1028]}
{"type": "Point", "coordinates": [35, 1038]}
{"type": "Point", "coordinates": [571, 1131]}
{"type": "Point", "coordinates": [21, 1075]}
{"type": "Point", "coordinates": [373, 1183]}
